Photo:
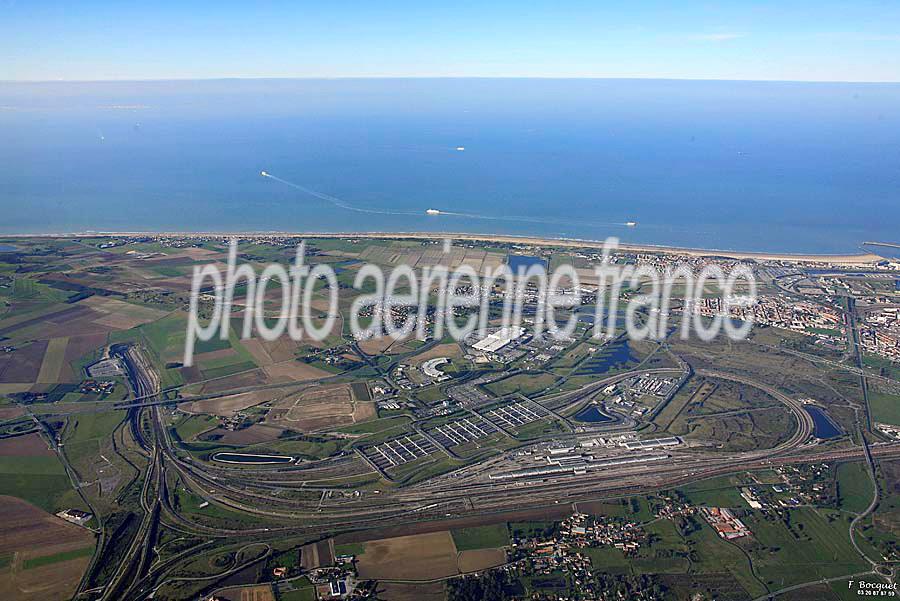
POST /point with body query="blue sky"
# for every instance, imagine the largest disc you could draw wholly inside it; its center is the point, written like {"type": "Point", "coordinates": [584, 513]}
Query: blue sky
{"type": "Point", "coordinates": [825, 40]}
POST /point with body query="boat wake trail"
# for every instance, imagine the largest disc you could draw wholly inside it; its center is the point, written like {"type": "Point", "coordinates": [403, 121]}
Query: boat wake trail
{"type": "Point", "coordinates": [342, 204]}
{"type": "Point", "coordinates": [542, 220]}
{"type": "Point", "coordinates": [333, 200]}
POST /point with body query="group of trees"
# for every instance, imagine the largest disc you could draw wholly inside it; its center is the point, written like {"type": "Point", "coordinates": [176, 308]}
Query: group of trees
{"type": "Point", "coordinates": [493, 585]}
{"type": "Point", "coordinates": [630, 587]}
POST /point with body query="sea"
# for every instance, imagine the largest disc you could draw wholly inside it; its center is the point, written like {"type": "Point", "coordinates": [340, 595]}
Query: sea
{"type": "Point", "coordinates": [755, 166]}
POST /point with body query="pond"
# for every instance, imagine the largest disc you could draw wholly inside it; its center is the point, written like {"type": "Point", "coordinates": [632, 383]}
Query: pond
{"type": "Point", "coordinates": [517, 262]}
{"type": "Point", "coordinates": [588, 314]}
{"type": "Point", "coordinates": [824, 427]}
{"type": "Point", "coordinates": [8, 248]}
{"type": "Point", "coordinates": [592, 414]}
{"type": "Point", "coordinates": [614, 355]}
{"type": "Point", "coordinates": [246, 458]}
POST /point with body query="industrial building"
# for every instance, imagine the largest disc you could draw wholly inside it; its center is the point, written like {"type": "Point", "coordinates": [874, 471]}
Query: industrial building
{"type": "Point", "coordinates": [652, 443]}
{"type": "Point", "coordinates": [497, 340]}
{"type": "Point", "coordinates": [575, 465]}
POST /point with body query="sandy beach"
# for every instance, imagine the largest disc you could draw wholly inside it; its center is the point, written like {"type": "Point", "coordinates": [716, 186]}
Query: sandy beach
{"type": "Point", "coordinates": [858, 259]}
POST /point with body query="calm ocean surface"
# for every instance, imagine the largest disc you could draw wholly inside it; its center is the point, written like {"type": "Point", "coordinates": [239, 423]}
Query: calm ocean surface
{"type": "Point", "coordinates": [731, 165]}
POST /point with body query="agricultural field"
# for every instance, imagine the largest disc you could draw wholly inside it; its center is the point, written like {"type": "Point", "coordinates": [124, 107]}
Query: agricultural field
{"type": "Point", "coordinates": [410, 557]}
{"type": "Point", "coordinates": [854, 487]}
{"type": "Point", "coordinates": [885, 407]}
{"type": "Point", "coordinates": [31, 471]}
{"type": "Point", "coordinates": [803, 545]}
{"type": "Point", "coordinates": [90, 449]}
{"type": "Point", "coordinates": [320, 407]}
{"type": "Point", "coordinates": [43, 556]}
{"type": "Point", "coordinates": [480, 537]}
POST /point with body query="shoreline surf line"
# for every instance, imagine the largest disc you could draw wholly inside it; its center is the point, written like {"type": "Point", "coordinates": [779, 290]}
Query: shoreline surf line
{"type": "Point", "coordinates": [835, 258]}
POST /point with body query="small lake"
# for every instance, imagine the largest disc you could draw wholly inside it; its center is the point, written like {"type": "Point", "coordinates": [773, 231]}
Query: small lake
{"type": "Point", "coordinates": [824, 427]}
{"type": "Point", "coordinates": [588, 314]}
{"type": "Point", "coordinates": [592, 414]}
{"type": "Point", "coordinates": [613, 355]}
{"type": "Point", "coordinates": [8, 248]}
{"type": "Point", "coordinates": [245, 458]}
{"type": "Point", "coordinates": [517, 262]}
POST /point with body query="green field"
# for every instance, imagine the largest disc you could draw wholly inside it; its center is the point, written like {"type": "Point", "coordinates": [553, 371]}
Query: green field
{"type": "Point", "coordinates": [715, 492]}
{"type": "Point", "coordinates": [480, 537]}
{"type": "Point", "coordinates": [608, 560]}
{"type": "Point", "coordinates": [886, 367]}
{"type": "Point", "coordinates": [526, 384]}
{"type": "Point", "coordinates": [805, 545]}
{"type": "Point", "coordinates": [533, 529]}
{"type": "Point", "coordinates": [189, 427]}
{"type": "Point", "coordinates": [58, 557]}
{"type": "Point", "coordinates": [854, 487]}
{"type": "Point", "coordinates": [350, 549]}
{"type": "Point", "coordinates": [300, 594]}
{"type": "Point", "coordinates": [91, 426]}
{"type": "Point", "coordinates": [40, 480]}
{"type": "Point", "coordinates": [885, 407]}
{"type": "Point", "coordinates": [313, 447]}
{"type": "Point", "coordinates": [189, 504]}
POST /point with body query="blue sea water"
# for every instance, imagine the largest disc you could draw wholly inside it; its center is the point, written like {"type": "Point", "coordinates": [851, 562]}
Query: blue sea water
{"type": "Point", "coordinates": [733, 165]}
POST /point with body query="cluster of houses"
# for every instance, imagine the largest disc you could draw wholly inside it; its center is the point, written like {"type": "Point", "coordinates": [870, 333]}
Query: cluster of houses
{"type": "Point", "coordinates": [333, 582]}
{"type": "Point", "coordinates": [879, 334]}
{"type": "Point", "coordinates": [237, 421]}
{"type": "Point", "coordinates": [725, 523]}
{"type": "Point", "coordinates": [674, 508]}
{"type": "Point", "coordinates": [821, 320]}
{"type": "Point", "coordinates": [802, 484]}
{"type": "Point", "coordinates": [890, 430]}
{"type": "Point", "coordinates": [549, 557]}
{"type": "Point", "coordinates": [593, 531]}
{"type": "Point", "coordinates": [99, 387]}
{"type": "Point", "coordinates": [671, 261]}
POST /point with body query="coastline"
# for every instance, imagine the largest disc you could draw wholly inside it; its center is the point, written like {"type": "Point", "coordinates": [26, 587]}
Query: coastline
{"type": "Point", "coordinates": [847, 259]}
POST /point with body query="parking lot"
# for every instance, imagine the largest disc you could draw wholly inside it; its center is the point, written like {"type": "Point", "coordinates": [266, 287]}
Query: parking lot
{"type": "Point", "coordinates": [399, 451]}
{"type": "Point", "coordinates": [462, 431]}
{"type": "Point", "coordinates": [471, 394]}
{"type": "Point", "coordinates": [517, 414]}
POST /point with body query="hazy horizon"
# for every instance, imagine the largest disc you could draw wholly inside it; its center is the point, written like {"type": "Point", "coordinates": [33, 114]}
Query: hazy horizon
{"type": "Point", "coordinates": [763, 41]}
